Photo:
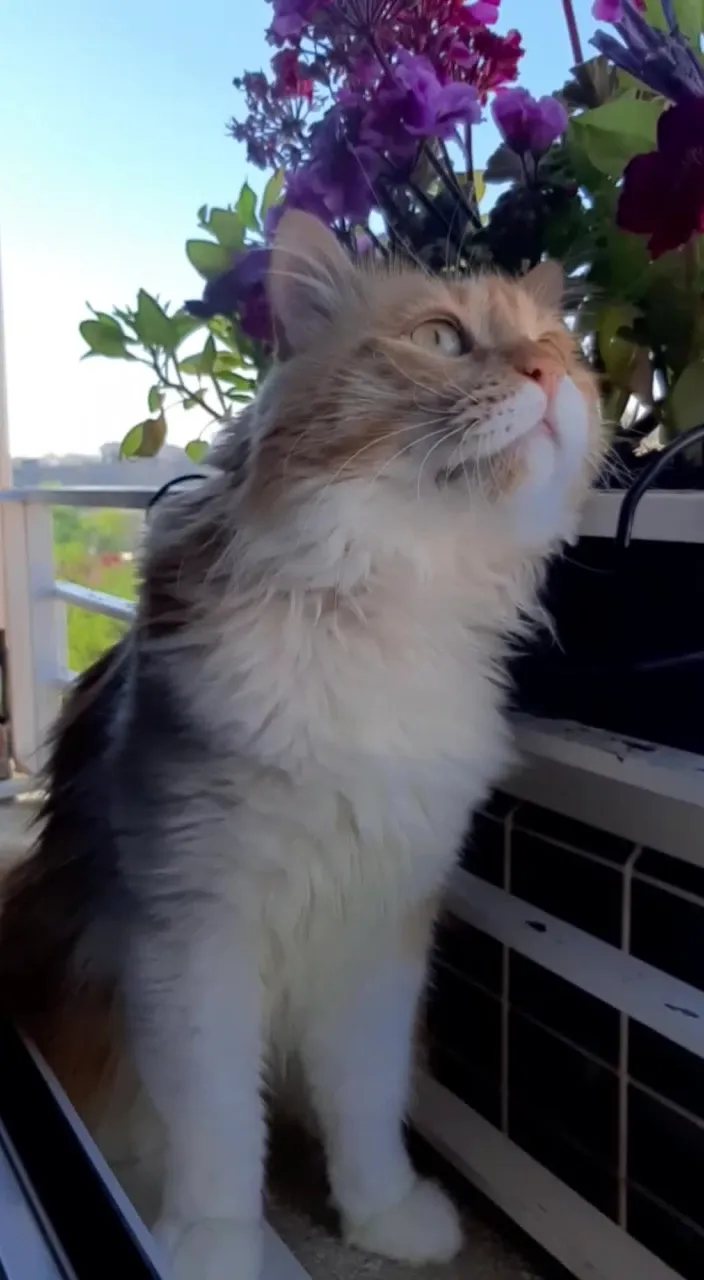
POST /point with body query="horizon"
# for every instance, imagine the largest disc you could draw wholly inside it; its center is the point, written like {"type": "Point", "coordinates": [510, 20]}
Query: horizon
{"type": "Point", "coordinates": [105, 165]}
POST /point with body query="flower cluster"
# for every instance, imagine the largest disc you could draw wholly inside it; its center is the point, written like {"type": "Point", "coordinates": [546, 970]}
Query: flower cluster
{"type": "Point", "coordinates": [357, 86]}
{"type": "Point", "coordinates": [366, 117]}
{"type": "Point", "coordinates": [363, 101]}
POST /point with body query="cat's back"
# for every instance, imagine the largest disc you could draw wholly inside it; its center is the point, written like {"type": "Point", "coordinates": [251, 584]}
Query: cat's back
{"type": "Point", "coordinates": [49, 900]}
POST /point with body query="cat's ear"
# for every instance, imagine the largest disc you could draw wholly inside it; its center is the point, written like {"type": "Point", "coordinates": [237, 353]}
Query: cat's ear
{"type": "Point", "coordinates": [309, 277]}
{"type": "Point", "coordinates": [546, 283]}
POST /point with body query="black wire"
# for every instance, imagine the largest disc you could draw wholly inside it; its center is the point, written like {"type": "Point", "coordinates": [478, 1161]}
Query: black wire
{"type": "Point", "coordinates": [629, 506]}
{"type": "Point", "coordinates": [170, 484]}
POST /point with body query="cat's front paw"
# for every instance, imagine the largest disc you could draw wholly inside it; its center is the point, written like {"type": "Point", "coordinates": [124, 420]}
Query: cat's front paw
{"type": "Point", "coordinates": [212, 1249]}
{"type": "Point", "coordinates": [423, 1227]}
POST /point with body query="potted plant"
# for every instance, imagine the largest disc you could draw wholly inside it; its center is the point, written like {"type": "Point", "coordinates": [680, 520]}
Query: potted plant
{"type": "Point", "coordinates": [366, 119]}
{"type": "Point", "coordinates": [627, 653]}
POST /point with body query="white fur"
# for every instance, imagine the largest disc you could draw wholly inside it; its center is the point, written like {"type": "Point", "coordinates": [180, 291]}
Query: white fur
{"type": "Point", "coordinates": [369, 731]}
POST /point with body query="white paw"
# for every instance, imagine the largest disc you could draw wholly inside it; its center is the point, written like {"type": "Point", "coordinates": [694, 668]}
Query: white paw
{"type": "Point", "coordinates": [213, 1249]}
{"type": "Point", "coordinates": [424, 1227]}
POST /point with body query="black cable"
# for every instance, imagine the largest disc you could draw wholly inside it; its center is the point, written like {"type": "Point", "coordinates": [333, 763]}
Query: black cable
{"type": "Point", "coordinates": [170, 484]}
{"type": "Point", "coordinates": [629, 506]}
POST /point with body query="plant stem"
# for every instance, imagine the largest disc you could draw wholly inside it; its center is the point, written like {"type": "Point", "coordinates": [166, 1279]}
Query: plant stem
{"type": "Point", "coordinates": [219, 394]}
{"type": "Point", "coordinates": [446, 175]}
{"type": "Point", "coordinates": [180, 385]}
{"type": "Point", "coordinates": [573, 31]}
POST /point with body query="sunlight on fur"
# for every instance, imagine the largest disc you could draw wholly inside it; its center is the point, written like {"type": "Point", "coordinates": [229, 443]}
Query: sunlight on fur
{"type": "Point", "coordinates": [254, 801]}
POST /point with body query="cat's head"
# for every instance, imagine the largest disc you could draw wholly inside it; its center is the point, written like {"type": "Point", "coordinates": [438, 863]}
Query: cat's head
{"type": "Point", "coordinates": [422, 396]}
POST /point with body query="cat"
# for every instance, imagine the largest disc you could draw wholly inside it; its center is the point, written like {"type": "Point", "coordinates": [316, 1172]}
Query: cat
{"type": "Point", "coordinates": [254, 801]}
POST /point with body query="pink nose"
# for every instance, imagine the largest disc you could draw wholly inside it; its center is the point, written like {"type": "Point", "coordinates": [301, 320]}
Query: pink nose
{"type": "Point", "coordinates": [539, 366]}
{"type": "Point", "coordinates": [543, 370]}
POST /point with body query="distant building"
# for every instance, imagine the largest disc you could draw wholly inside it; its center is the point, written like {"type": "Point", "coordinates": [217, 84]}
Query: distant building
{"type": "Point", "coordinates": [105, 470]}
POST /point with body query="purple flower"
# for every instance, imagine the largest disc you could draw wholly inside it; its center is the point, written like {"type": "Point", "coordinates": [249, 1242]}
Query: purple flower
{"type": "Point", "coordinates": [528, 124]}
{"type": "Point", "coordinates": [338, 181]}
{"type": "Point", "coordinates": [292, 16]}
{"type": "Point", "coordinates": [663, 60]}
{"type": "Point", "coordinates": [240, 291]}
{"type": "Point", "coordinates": [301, 192]}
{"type": "Point", "coordinates": [418, 105]}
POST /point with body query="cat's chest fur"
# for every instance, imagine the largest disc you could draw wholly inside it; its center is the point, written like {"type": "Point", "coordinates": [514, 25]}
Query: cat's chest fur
{"type": "Point", "coordinates": [368, 736]}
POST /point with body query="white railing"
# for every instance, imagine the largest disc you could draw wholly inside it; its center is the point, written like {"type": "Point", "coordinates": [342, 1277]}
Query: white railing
{"type": "Point", "coordinates": [36, 607]}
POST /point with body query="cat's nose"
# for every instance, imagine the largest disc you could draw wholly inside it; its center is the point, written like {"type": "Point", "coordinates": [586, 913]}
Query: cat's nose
{"type": "Point", "coordinates": [540, 369]}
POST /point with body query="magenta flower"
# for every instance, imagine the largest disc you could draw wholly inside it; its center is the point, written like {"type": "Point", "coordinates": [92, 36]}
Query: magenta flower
{"type": "Point", "coordinates": [528, 124]}
{"type": "Point", "coordinates": [612, 10]}
{"type": "Point", "coordinates": [663, 192]}
{"type": "Point", "coordinates": [484, 12]}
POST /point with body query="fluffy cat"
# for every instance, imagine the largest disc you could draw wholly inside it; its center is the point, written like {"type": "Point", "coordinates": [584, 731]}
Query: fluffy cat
{"type": "Point", "coordinates": [254, 801]}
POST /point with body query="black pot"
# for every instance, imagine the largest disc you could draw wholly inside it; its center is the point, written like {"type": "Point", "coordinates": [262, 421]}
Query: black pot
{"type": "Point", "coordinates": [628, 649]}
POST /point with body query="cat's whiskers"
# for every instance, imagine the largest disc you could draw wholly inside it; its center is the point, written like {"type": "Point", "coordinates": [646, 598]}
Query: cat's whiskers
{"type": "Point", "coordinates": [430, 435]}
{"type": "Point", "coordinates": [448, 436]}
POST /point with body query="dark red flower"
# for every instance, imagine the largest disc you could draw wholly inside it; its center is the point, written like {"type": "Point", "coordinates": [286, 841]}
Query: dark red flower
{"type": "Point", "coordinates": [663, 192]}
{"type": "Point", "coordinates": [290, 76]}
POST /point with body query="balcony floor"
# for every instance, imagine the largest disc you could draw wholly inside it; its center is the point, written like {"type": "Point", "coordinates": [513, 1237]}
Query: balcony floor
{"type": "Point", "coordinates": [297, 1208]}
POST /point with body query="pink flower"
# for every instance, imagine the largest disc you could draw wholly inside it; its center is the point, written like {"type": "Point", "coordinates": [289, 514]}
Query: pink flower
{"type": "Point", "coordinates": [485, 12]}
{"type": "Point", "coordinates": [612, 10]}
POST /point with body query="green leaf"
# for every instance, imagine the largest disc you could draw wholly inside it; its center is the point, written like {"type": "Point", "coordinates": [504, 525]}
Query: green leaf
{"type": "Point", "coordinates": [479, 186]}
{"type": "Point", "coordinates": [152, 325]}
{"type": "Point", "coordinates": [614, 133]}
{"type": "Point", "coordinates": [687, 397]}
{"type": "Point", "coordinates": [201, 365]}
{"type": "Point", "coordinates": [105, 339]}
{"type": "Point", "coordinates": [145, 439]}
{"type": "Point", "coordinates": [224, 330]}
{"type": "Point", "coordinates": [690, 19]}
{"type": "Point", "coordinates": [193, 402]}
{"type": "Point", "coordinates": [108, 321]}
{"type": "Point", "coordinates": [228, 228]}
{"type": "Point", "coordinates": [209, 259]}
{"type": "Point", "coordinates": [185, 324]}
{"type": "Point", "coordinates": [132, 442]}
{"type": "Point", "coordinates": [689, 15]}
{"type": "Point", "coordinates": [209, 354]}
{"type": "Point", "coordinates": [615, 350]}
{"type": "Point", "coordinates": [155, 399]}
{"type": "Point", "coordinates": [197, 451]}
{"type": "Point", "coordinates": [247, 208]}
{"type": "Point", "coordinates": [272, 192]}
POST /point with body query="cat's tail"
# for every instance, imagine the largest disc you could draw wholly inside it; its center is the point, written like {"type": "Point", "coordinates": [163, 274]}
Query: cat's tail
{"type": "Point", "coordinates": [51, 902]}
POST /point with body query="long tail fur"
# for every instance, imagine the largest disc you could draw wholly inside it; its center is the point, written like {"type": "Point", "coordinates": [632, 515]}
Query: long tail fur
{"type": "Point", "coordinates": [50, 901]}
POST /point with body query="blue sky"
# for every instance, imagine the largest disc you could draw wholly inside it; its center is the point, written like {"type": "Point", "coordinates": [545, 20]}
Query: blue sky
{"type": "Point", "coordinates": [113, 135]}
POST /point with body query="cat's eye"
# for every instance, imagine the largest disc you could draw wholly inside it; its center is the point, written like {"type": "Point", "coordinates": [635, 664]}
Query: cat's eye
{"type": "Point", "coordinates": [441, 336]}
